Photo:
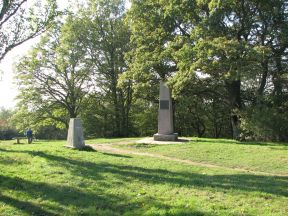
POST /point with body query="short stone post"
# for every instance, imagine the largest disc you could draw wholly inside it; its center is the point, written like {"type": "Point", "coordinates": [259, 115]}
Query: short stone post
{"type": "Point", "coordinates": [75, 137]}
{"type": "Point", "coordinates": [165, 116]}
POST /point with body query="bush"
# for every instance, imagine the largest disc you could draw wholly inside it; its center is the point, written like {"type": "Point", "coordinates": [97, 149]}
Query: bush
{"type": "Point", "coordinates": [264, 123]}
{"type": "Point", "coordinates": [8, 133]}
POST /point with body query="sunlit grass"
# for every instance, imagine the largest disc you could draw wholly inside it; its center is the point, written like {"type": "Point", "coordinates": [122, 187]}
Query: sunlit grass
{"type": "Point", "coordinates": [45, 178]}
{"type": "Point", "coordinates": [255, 156]}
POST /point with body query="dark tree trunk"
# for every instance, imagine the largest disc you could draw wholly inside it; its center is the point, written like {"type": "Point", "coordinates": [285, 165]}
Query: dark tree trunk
{"type": "Point", "coordinates": [277, 82]}
{"type": "Point", "coordinates": [264, 65]}
{"type": "Point", "coordinates": [234, 96]}
{"type": "Point", "coordinates": [117, 119]}
{"type": "Point", "coordinates": [199, 126]}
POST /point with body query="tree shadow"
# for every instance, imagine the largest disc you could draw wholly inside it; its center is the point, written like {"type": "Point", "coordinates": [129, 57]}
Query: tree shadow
{"type": "Point", "coordinates": [87, 148]}
{"type": "Point", "coordinates": [215, 141]}
{"type": "Point", "coordinates": [116, 155]}
{"type": "Point", "coordinates": [262, 143]}
{"type": "Point", "coordinates": [5, 150]}
{"type": "Point", "coordinates": [141, 145]}
{"type": "Point", "coordinates": [83, 198]}
{"type": "Point", "coordinates": [84, 203]}
{"type": "Point", "coordinates": [276, 185]}
{"type": "Point", "coordinates": [56, 193]}
{"type": "Point", "coordinates": [25, 206]}
{"type": "Point", "coordinates": [245, 182]}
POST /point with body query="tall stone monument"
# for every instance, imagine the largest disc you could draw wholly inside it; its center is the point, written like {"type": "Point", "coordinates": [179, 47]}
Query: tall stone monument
{"type": "Point", "coordinates": [75, 137]}
{"type": "Point", "coordinates": [165, 116]}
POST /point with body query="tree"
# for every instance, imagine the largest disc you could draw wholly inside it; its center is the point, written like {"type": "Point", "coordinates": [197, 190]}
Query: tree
{"type": "Point", "coordinates": [201, 108]}
{"type": "Point", "coordinates": [7, 129]}
{"type": "Point", "coordinates": [55, 77]}
{"type": "Point", "coordinates": [240, 43]}
{"type": "Point", "coordinates": [107, 39]}
{"type": "Point", "coordinates": [21, 20]}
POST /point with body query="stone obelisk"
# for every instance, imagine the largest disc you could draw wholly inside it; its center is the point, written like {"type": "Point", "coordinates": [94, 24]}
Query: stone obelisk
{"type": "Point", "coordinates": [75, 138]}
{"type": "Point", "coordinates": [165, 116]}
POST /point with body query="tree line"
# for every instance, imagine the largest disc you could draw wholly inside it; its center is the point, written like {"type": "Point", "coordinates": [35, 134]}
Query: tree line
{"type": "Point", "coordinates": [225, 62]}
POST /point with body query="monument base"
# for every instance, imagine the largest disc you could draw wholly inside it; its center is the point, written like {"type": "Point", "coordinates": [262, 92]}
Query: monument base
{"type": "Point", "coordinates": [166, 137]}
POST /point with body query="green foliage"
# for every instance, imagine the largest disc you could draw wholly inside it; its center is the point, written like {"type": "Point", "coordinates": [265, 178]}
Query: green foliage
{"type": "Point", "coordinates": [50, 132]}
{"type": "Point", "coordinates": [43, 127]}
{"type": "Point", "coordinates": [54, 78]}
{"type": "Point", "coordinates": [104, 64]}
{"type": "Point", "coordinates": [201, 118]}
{"type": "Point", "coordinates": [237, 46]}
{"type": "Point", "coordinates": [144, 115]}
{"type": "Point", "coordinates": [265, 123]}
{"type": "Point", "coordinates": [7, 130]}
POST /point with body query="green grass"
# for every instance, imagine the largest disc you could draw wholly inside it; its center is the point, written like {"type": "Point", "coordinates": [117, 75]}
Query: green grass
{"type": "Point", "coordinates": [45, 178]}
{"type": "Point", "coordinates": [256, 156]}
{"type": "Point", "coordinates": [110, 140]}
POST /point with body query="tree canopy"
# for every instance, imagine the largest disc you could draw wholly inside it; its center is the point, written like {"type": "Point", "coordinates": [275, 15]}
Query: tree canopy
{"type": "Point", "coordinates": [225, 61]}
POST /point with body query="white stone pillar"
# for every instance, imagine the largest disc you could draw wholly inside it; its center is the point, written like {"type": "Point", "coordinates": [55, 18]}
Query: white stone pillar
{"type": "Point", "coordinates": [165, 116]}
{"type": "Point", "coordinates": [75, 137]}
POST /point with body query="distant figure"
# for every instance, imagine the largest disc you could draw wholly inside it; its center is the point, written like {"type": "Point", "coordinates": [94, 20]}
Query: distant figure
{"type": "Point", "coordinates": [29, 134]}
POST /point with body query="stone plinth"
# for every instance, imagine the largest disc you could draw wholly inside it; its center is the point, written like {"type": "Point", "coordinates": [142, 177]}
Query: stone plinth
{"type": "Point", "coordinates": [75, 137]}
{"type": "Point", "coordinates": [165, 137]}
{"type": "Point", "coordinates": [165, 116]}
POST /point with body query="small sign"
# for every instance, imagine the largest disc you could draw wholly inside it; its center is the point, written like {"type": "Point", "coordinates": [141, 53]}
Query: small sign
{"type": "Point", "coordinates": [164, 104]}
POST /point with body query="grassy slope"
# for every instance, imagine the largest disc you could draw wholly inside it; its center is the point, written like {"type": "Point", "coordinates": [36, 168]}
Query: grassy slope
{"type": "Point", "coordinates": [47, 179]}
{"type": "Point", "coordinates": [264, 157]}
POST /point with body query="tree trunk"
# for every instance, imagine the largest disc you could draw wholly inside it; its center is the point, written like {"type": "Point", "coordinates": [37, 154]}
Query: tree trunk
{"type": "Point", "coordinates": [234, 96]}
{"type": "Point", "coordinates": [117, 119]}
{"type": "Point", "coordinates": [264, 65]}
{"type": "Point", "coordinates": [277, 82]}
{"type": "Point", "coordinates": [235, 123]}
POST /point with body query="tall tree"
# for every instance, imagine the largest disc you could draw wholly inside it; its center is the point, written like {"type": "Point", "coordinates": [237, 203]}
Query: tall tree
{"type": "Point", "coordinates": [107, 39]}
{"type": "Point", "coordinates": [55, 75]}
{"type": "Point", "coordinates": [240, 43]}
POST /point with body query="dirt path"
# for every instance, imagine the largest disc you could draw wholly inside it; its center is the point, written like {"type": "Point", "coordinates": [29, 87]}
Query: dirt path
{"type": "Point", "coordinates": [108, 148]}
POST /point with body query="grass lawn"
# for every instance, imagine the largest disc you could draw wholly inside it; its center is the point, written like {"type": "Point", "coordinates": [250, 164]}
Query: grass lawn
{"type": "Point", "coordinates": [256, 156]}
{"type": "Point", "coordinates": [45, 178]}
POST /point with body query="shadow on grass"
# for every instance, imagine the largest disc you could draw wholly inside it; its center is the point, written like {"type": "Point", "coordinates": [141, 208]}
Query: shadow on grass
{"type": "Point", "coordinates": [80, 202]}
{"type": "Point", "coordinates": [184, 140]}
{"type": "Point", "coordinates": [268, 184]}
{"type": "Point", "coordinates": [25, 206]}
{"type": "Point", "coordinates": [120, 204]}
{"type": "Point", "coordinates": [66, 196]}
{"type": "Point", "coordinates": [87, 148]}
{"type": "Point", "coordinates": [215, 141]}
{"type": "Point", "coordinates": [141, 145]}
{"type": "Point", "coordinates": [116, 155]}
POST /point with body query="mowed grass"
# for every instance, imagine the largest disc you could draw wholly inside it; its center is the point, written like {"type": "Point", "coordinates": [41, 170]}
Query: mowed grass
{"type": "Point", "coordinates": [255, 156]}
{"type": "Point", "coordinates": [45, 178]}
